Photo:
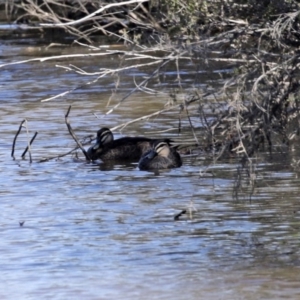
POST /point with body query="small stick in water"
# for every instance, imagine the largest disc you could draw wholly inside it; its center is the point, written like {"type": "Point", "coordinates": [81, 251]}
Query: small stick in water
{"type": "Point", "coordinates": [88, 140]}
{"type": "Point", "coordinates": [74, 136]}
{"type": "Point", "coordinates": [15, 139]}
{"type": "Point", "coordinates": [31, 141]}
{"type": "Point", "coordinates": [28, 143]}
{"type": "Point", "coordinates": [176, 218]}
{"type": "Point", "coordinates": [57, 156]}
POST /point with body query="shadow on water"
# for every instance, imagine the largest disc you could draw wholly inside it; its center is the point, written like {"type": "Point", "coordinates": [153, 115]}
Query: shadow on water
{"type": "Point", "coordinates": [103, 231]}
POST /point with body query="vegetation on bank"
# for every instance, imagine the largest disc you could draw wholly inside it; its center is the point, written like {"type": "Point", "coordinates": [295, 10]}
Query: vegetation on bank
{"type": "Point", "coordinates": [258, 103]}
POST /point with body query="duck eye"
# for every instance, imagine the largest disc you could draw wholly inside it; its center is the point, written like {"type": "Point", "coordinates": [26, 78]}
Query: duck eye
{"type": "Point", "coordinates": [160, 147]}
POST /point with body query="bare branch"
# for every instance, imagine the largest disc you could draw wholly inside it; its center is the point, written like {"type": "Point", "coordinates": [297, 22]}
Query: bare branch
{"type": "Point", "coordinates": [15, 139]}
{"type": "Point", "coordinates": [74, 136]}
{"type": "Point", "coordinates": [30, 143]}
{"type": "Point", "coordinates": [92, 14]}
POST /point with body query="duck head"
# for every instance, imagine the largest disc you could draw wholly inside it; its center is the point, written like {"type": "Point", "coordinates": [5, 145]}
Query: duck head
{"type": "Point", "coordinates": [104, 137]}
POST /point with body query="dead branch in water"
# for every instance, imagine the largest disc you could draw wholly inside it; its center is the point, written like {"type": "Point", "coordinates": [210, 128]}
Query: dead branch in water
{"type": "Point", "coordinates": [30, 143]}
{"type": "Point", "coordinates": [57, 156]}
{"type": "Point", "coordinates": [177, 216]}
{"type": "Point", "coordinates": [15, 139]}
{"type": "Point", "coordinates": [74, 136]}
{"type": "Point", "coordinates": [89, 139]}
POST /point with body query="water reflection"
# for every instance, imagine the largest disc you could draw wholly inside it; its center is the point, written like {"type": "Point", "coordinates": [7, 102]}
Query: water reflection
{"type": "Point", "coordinates": [103, 231]}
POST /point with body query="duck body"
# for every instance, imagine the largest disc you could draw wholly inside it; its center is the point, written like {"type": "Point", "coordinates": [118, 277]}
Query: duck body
{"type": "Point", "coordinates": [126, 148]}
{"type": "Point", "coordinates": [161, 156]}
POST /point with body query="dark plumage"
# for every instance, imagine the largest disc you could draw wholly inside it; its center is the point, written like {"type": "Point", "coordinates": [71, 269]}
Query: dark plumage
{"type": "Point", "coordinates": [161, 156]}
{"type": "Point", "coordinates": [126, 148]}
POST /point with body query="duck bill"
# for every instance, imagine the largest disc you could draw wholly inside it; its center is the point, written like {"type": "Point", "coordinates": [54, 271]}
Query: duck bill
{"type": "Point", "coordinates": [96, 146]}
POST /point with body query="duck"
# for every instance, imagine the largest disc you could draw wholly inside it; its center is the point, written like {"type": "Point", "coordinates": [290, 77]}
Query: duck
{"type": "Point", "coordinates": [107, 148]}
{"type": "Point", "coordinates": [161, 156]}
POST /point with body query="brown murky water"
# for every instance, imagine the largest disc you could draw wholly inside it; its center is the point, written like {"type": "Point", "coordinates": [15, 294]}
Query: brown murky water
{"type": "Point", "coordinates": [109, 233]}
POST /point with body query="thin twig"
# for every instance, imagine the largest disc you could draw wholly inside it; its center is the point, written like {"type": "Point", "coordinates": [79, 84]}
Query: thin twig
{"type": "Point", "coordinates": [103, 74]}
{"type": "Point", "coordinates": [28, 143]}
{"type": "Point", "coordinates": [123, 125]}
{"type": "Point", "coordinates": [92, 14]}
{"type": "Point", "coordinates": [15, 139]}
{"type": "Point", "coordinates": [57, 156]}
{"type": "Point", "coordinates": [190, 121]}
{"type": "Point", "coordinates": [31, 141]}
{"type": "Point", "coordinates": [43, 59]}
{"type": "Point", "coordinates": [177, 216]}
{"type": "Point", "coordinates": [69, 152]}
{"type": "Point", "coordinates": [74, 136]}
{"type": "Point", "coordinates": [141, 84]}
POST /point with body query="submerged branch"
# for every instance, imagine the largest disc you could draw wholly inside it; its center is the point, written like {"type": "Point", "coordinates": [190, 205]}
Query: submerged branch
{"type": "Point", "coordinates": [30, 143]}
{"type": "Point", "coordinates": [90, 139]}
{"type": "Point", "coordinates": [74, 136]}
{"type": "Point", "coordinates": [57, 156]}
{"type": "Point", "coordinates": [15, 139]}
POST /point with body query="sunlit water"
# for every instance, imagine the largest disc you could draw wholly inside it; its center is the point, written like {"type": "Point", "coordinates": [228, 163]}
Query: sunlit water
{"type": "Point", "coordinates": [92, 231]}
